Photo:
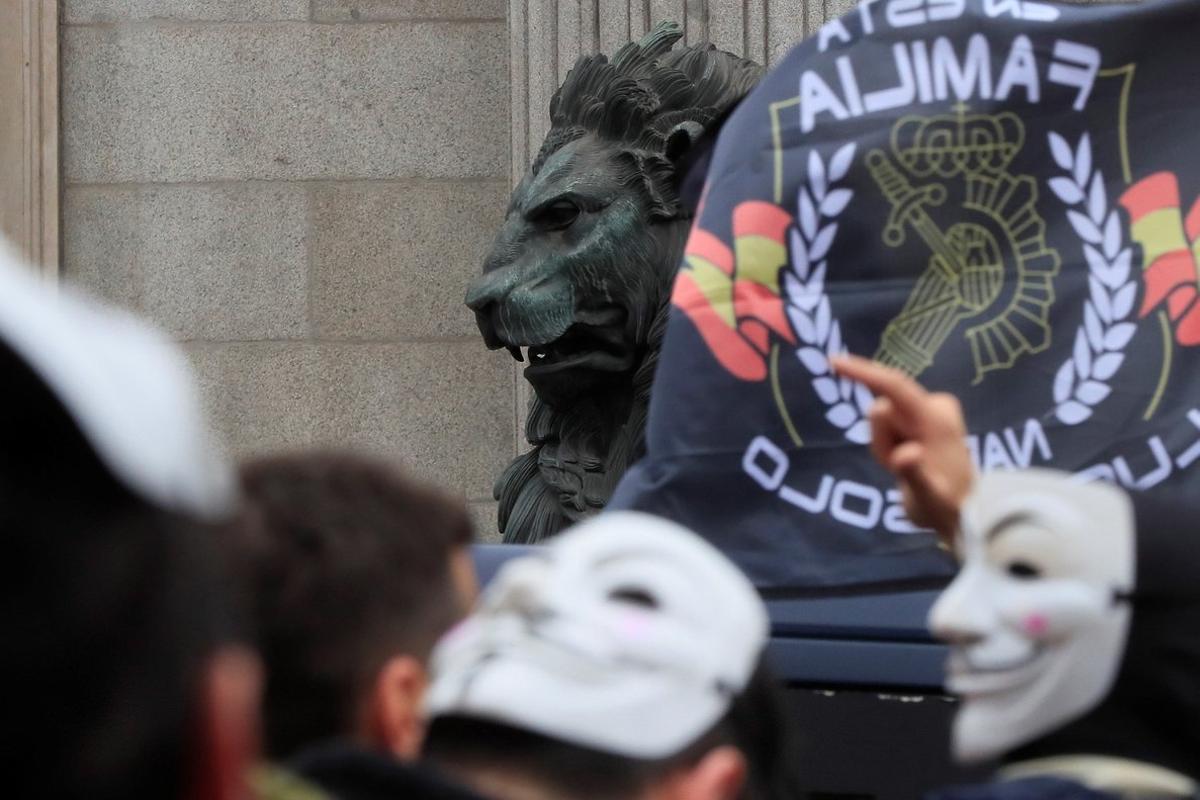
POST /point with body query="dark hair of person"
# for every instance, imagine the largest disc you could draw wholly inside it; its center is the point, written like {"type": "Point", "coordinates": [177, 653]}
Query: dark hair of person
{"type": "Point", "coordinates": [347, 563]}
{"type": "Point", "coordinates": [759, 723]}
{"type": "Point", "coordinates": [111, 609]}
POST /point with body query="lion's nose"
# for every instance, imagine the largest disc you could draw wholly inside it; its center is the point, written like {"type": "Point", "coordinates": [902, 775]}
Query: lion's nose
{"type": "Point", "coordinates": [491, 287]}
{"type": "Point", "coordinates": [483, 295]}
{"type": "Point", "coordinates": [479, 297]}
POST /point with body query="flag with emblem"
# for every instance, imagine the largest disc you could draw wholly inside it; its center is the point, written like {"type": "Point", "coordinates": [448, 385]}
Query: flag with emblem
{"type": "Point", "coordinates": [990, 195]}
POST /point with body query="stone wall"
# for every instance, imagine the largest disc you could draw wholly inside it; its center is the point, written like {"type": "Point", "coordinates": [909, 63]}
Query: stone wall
{"type": "Point", "coordinates": [300, 190]}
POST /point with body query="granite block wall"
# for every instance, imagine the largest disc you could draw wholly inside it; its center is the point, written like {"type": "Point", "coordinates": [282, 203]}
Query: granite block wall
{"type": "Point", "coordinates": [299, 192]}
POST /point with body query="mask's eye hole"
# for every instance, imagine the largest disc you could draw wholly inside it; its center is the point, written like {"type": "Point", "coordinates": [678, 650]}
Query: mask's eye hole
{"type": "Point", "coordinates": [1023, 570]}
{"type": "Point", "coordinates": [634, 596]}
{"type": "Point", "coordinates": [557, 216]}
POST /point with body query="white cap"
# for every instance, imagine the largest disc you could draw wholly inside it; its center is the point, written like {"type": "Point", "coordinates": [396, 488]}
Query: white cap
{"type": "Point", "coordinates": [629, 634]}
{"type": "Point", "coordinates": [126, 386]}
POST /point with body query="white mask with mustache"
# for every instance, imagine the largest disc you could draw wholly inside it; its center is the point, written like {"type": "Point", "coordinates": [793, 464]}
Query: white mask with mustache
{"type": "Point", "coordinates": [1036, 619]}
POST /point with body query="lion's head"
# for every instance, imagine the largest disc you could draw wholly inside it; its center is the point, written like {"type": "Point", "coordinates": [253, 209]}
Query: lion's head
{"type": "Point", "coordinates": [581, 269]}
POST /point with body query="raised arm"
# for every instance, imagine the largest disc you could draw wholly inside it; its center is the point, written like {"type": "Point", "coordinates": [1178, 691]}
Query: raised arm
{"type": "Point", "coordinates": [920, 437]}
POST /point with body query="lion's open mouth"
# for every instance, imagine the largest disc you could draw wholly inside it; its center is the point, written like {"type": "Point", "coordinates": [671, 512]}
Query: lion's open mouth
{"type": "Point", "coordinates": [581, 347]}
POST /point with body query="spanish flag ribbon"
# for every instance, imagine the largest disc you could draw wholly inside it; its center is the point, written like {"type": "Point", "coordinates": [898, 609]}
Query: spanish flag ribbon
{"type": "Point", "coordinates": [733, 296]}
{"type": "Point", "coordinates": [1170, 250]}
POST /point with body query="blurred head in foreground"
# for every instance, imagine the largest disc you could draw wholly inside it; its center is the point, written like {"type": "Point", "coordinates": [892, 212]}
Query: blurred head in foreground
{"type": "Point", "coordinates": [119, 636]}
{"type": "Point", "coordinates": [354, 571]}
{"type": "Point", "coordinates": [623, 661]}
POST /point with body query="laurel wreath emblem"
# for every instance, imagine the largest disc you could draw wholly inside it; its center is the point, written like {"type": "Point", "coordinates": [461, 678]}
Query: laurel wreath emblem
{"type": "Point", "coordinates": [1081, 383]}
{"type": "Point", "coordinates": [818, 205]}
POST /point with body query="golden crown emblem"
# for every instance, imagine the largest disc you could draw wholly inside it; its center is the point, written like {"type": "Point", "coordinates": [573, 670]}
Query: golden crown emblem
{"type": "Point", "coordinates": [958, 143]}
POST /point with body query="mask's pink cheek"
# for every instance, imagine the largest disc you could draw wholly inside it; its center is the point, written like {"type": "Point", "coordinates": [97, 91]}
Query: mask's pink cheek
{"type": "Point", "coordinates": [1035, 624]}
{"type": "Point", "coordinates": [634, 626]}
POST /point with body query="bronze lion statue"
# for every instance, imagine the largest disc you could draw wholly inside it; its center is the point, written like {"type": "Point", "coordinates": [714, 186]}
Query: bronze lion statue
{"type": "Point", "coordinates": [580, 272]}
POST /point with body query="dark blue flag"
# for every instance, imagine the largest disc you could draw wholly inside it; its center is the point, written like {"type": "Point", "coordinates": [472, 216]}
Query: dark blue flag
{"type": "Point", "coordinates": [997, 197]}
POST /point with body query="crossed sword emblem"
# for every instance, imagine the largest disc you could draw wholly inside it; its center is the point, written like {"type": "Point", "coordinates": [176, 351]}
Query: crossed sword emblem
{"type": "Point", "coordinates": [949, 290]}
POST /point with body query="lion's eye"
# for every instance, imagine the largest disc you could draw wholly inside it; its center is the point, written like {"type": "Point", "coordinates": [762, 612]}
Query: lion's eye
{"type": "Point", "coordinates": [557, 216]}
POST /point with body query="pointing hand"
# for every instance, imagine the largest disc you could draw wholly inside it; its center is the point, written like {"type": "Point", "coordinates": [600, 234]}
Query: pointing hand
{"type": "Point", "coordinates": [919, 437]}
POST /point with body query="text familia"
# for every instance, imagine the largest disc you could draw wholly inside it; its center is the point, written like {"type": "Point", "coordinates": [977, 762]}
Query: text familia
{"type": "Point", "coordinates": [940, 69]}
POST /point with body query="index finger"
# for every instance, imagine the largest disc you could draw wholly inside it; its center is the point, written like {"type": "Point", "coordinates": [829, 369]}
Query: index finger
{"type": "Point", "coordinates": [909, 397]}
